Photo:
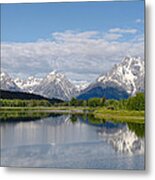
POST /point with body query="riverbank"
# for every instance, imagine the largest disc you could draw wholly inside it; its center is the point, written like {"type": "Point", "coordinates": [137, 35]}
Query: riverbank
{"type": "Point", "coordinates": [120, 115]}
{"type": "Point", "coordinates": [98, 112]}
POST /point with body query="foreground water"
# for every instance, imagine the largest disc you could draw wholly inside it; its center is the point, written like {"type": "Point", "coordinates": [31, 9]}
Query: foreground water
{"type": "Point", "coordinates": [72, 142]}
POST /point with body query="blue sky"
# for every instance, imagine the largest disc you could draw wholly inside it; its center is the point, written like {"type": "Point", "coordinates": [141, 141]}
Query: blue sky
{"type": "Point", "coordinates": [30, 22]}
{"type": "Point", "coordinates": [60, 28]}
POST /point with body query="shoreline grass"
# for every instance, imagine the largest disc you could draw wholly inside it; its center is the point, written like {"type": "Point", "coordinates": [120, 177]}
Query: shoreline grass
{"type": "Point", "coordinates": [98, 112]}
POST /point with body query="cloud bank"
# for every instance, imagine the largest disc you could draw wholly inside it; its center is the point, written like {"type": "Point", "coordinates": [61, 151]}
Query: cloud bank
{"type": "Point", "coordinates": [80, 55]}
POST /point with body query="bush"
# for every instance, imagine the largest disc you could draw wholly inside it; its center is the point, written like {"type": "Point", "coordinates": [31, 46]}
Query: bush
{"type": "Point", "coordinates": [136, 102]}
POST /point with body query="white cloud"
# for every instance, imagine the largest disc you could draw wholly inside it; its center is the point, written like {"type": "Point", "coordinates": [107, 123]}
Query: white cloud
{"type": "Point", "coordinates": [112, 36]}
{"type": "Point", "coordinates": [139, 21]}
{"type": "Point", "coordinates": [121, 30]}
{"type": "Point", "coordinates": [80, 55]}
{"type": "Point", "coordinates": [73, 36]}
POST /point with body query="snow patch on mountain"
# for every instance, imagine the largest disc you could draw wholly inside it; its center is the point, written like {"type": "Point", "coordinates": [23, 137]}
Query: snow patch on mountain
{"type": "Point", "coordinates": [29, 84]}
{"type": "Point", "coordinates": [81, 85]}
{"type": "Point", "coordinates": [129, 74]}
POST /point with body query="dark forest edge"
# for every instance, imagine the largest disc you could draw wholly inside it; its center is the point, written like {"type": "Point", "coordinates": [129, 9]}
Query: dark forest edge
{"type": "Point", "coordinates": [136, 103]}
{"type": "Point", "coordinates": [10, 95]}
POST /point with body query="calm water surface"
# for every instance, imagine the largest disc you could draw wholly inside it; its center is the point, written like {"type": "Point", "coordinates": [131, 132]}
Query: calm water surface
{"type": "Point", "coordinates": [72, 142]}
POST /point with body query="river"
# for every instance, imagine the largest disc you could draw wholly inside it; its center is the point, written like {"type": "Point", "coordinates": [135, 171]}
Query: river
{"type": "Point", "coordinates": [64, 141]}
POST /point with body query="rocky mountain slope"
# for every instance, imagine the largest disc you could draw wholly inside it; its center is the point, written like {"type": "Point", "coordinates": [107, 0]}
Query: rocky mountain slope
{"type": "Point", "coordinates": [56, 85]}
{"type": "Point", "coordinates": [7, 83]}
{"type": "Point", "coordinates": [124, 79]}
{"type": "Point", "coordinates": [29, 84]}
{"type": "Point", "coordinates": [129, 74]}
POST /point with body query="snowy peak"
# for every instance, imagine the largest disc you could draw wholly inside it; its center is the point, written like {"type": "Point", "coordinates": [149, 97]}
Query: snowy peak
{"type": "Point", "coordinates": [56, 85]}
{"type": "Point", "coordinates": [55, 76]}
{"type": "Point", "coordinates": [129, 74]}
{"type": "Point", "coordinates": [7, 83]}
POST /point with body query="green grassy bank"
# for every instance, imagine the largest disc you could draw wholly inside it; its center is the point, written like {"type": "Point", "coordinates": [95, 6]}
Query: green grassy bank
{"type": "Point", "coordinates": [97, 112]}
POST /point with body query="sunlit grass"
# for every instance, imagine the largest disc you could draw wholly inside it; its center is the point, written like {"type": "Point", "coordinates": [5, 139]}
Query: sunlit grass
{"type": "Point", "coordinates": [98, 112]}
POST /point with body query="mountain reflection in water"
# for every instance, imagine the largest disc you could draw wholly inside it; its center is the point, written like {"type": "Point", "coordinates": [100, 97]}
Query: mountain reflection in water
{"type": "Point", "coordinates": [122, 138]}
{"type": "Point", "coordinates": [70, 141]}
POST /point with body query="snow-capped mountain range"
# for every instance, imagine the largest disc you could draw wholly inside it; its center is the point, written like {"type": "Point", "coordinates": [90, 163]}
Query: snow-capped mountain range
{"type": "Point", "coordinates": [124, 79]}
{"type": "Point", "coordinates": [54, 85]}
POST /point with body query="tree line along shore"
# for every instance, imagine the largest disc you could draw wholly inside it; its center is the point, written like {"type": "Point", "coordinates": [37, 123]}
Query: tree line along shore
{"type": "Point", "coordinates": [136, 102]}
{"type": "Point", "coordinates": [131, 109]}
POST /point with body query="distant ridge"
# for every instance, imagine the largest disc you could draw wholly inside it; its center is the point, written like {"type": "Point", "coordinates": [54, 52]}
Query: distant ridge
{"type": "Point", "coordinates": [25, 96]}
